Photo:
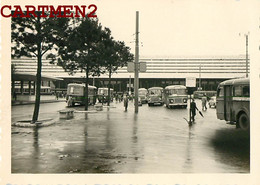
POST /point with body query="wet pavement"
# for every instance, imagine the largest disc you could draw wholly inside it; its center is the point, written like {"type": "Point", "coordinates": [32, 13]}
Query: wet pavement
{"type": "Point", "coordinates": [156, 140]}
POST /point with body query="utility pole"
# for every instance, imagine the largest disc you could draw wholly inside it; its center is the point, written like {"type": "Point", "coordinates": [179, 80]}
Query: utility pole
{"type": "Point", "coordinates": [93, 81]}
{"type": "Point", "coordinates": [136, 85]}
{"type": "Point", "coordinates": [246, 55]}
{"type": "Point", "coordinates": [199, 77]}
{"type": "Point", "coordinates": [129, 87]}
{"type": "Point", "coordinates": [246, 35]}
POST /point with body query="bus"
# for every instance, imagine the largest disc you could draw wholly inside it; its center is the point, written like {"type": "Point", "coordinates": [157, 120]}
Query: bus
{"type": "Point", "coordinates": [76, 94]}
{"type": "Point", "coordinates": [155, 96]}
{"type": "Point", "coordinates": [142, 92]}
{"type": "Point", "coordinates": [175, 96]}
{"type": "Point", "coordinates": [233, 102]}
{"type": "Point", "coordinates": [103, 94]}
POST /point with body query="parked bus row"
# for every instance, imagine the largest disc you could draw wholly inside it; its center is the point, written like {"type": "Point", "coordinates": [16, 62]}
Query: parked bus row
{"type": "Point", "coordinates": [174, 95]}
{"type": "Point", "coordinates": [171, 96]}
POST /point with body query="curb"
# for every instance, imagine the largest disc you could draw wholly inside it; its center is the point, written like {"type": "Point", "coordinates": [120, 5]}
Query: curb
{"type": "Point", "coordinates": [40, 123]}
{"type": "Point", "coordinates": [88, 111]}
{"type": "Point", "coordinates": [33, 102]}
{"type": "Point", "coordinates": [111, 106]}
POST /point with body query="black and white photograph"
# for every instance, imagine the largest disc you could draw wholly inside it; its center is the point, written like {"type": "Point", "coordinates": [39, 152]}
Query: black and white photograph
{"type": "Point", "coordinates": [132, 87]}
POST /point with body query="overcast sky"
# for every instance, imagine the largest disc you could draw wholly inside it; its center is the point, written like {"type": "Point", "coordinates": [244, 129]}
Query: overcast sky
{"type": "Point", "coordinates": [179, 27]}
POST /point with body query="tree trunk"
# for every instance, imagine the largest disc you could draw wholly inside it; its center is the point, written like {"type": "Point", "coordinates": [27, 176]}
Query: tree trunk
{"type": "Point", "coordinates": [109, 84]}
{"type": "Point", "coordinates": [38, 75]}
{"type": "Point", "coordinates": [13, 82]}
{"type": "Point", "coordinates": [86, 90]}
{"type": "Point", "coordinates": [38, 89]}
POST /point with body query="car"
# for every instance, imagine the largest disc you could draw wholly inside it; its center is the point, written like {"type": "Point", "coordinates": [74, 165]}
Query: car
{"type": "Point", "coordinates": [212, 102]}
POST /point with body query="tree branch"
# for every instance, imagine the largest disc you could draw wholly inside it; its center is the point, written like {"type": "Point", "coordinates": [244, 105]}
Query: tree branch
{"type": "Point", "coordinates": [25, 47]}
{"type": "Point", "coordinates": [46, 50]}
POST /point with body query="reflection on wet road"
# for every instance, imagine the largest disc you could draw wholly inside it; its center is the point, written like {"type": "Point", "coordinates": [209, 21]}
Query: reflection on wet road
{"type": "Point", "coordinates": [156, 140]}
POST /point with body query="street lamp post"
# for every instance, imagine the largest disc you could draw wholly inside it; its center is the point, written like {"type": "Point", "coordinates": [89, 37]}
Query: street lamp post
{"type": "Point", "coordinates": [246, 35]}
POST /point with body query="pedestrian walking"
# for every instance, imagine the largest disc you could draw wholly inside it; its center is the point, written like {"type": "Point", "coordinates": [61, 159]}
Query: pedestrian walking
{"type": "Point", "coordinates": [14, 96]}
{"type": "Point", "coordinates": [70, 101]}
{"type": "Point", "coordinates": [125, 102]}
{"type": "Point", "coordinates": [57, 95]}
{"type": "Point", "coordinates": [94, 100]}
{"type": "Point", "coordinates": [103, 98]}
{"type": "Point", "coordinates": [204, 102]}
{"type": "Point", "coordinates": [193, 109]}
{"type": "Point", "coordinates": [116, 97]}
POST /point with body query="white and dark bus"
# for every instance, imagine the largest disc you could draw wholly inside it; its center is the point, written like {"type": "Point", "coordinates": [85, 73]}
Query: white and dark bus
{"type": "Point", "coordinates": [102, 94]}
{"type": "Point", "coordinates": [155, 96]}
{"type": "Point", "coordinates": [143, 93]}
{"type": "Point", "coordinates": [175, 96]}
{"type": "Point", "coordinates": [76, 94]}
{"type": "Point", "coordinates": [233, 102]}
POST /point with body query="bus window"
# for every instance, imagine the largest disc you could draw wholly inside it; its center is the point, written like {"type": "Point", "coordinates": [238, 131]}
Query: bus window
{"type": "Point", "coordinates": [246, 91]}
{"type": "Point", "coordinates": [220, 92]}
{"type": "Point", "coordinates": [237, 91]}
{"type": "Point", "coordinates": [71, 90]}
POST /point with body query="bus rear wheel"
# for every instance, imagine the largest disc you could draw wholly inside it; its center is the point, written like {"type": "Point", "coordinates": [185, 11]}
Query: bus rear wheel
{"type": "Point", "coordinates": [243, 121]}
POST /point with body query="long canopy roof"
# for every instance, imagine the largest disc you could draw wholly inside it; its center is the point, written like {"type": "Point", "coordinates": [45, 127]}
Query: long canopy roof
{"type": "Point", "coordinates": [32, 77]}
{"type": "Point", "coordinates": [157, 67]}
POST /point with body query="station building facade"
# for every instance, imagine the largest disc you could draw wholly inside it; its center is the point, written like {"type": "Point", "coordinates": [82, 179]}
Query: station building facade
{"type": "Point", "coordinates": [161, 71]}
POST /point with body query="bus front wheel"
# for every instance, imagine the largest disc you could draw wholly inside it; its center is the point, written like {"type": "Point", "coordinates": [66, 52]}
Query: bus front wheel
{"type": "Point", "coordinates": [243, 121]}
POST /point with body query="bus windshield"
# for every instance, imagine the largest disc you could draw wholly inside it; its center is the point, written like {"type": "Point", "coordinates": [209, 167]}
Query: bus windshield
{"type": "Point", "coordinates": [142, 92]}
{"type": "Point", "coordinates": [75, 90]}
{"type": "Point", "coordinates": [155, 92]}
{"type": "Point", "coordinates": [102, 91]}
{"type": "Point", "coordinates": [177, 91]}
